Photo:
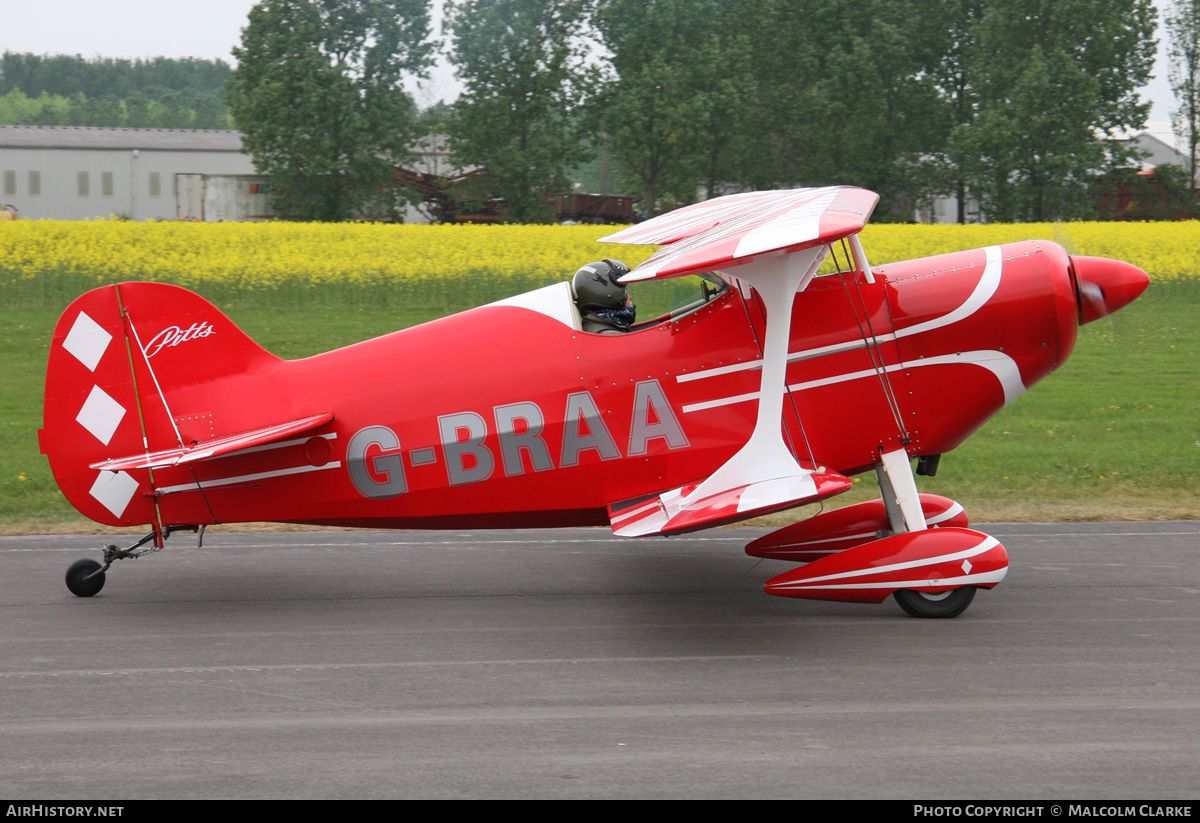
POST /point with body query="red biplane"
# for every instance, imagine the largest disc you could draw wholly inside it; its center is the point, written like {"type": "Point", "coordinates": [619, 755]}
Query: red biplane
{"type": "Point", "coordinates": [797, 366]}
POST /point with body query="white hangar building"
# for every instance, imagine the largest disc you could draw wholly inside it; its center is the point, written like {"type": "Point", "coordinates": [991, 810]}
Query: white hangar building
{"type": "Point", "coordinates": [81, 172]}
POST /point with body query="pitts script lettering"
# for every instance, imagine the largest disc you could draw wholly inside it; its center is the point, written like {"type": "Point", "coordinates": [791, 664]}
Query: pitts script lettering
{"type": "Point", "coordinates": [173, 336]}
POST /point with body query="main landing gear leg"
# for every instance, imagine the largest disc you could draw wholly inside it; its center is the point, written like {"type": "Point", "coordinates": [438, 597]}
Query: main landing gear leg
{"type": "Point", "coordinates": [903, 504]}
{"type": "Point", "coordinates": [85, 577]}
{"type": "Point", "coordinates": [898, 487]}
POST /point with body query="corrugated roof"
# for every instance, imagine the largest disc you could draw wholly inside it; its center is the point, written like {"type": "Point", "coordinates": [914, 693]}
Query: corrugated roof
{"type": "Point", "coordinates": [92, 137]}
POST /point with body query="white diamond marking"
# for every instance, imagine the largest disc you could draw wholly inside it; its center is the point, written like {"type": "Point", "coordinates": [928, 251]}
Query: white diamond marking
{"type": "Point", "coordinates": [114, 490]}
{"type": "Point", "coordinates": [966, 566]}
{"type": "Point", "coordinates": [100, 415]}
{"type": "Point", "coordinates": [87, 341]}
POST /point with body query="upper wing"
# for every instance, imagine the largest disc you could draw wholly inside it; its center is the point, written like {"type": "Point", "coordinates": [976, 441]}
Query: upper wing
{"type": "Point", "coordinates": [739, 228]}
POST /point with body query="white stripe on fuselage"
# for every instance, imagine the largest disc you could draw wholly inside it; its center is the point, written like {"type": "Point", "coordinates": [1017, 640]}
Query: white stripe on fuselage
{"type": "Point", "coordinates": [245, 478]}
{"type": "Point", "coordinates": [1001, 365]}
{"type": "Point", "coordinates": [998, 363]}
{"type": "Point", "coordinates": [984, 289]}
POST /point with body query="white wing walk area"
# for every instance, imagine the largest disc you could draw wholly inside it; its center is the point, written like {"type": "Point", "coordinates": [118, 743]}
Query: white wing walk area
{"type": "Point", "coordinates": [651, 518]}
{"type": "Point", "coordinates": [799, 225]}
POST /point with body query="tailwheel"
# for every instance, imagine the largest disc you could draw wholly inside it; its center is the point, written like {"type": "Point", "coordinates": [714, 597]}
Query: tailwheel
{"type": "Point", "coordinates": [85, 577]}
{"type": "Point", "coordinates": [935, 604]}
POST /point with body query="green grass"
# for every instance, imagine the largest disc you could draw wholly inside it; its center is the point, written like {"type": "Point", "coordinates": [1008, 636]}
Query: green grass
{"type": "Point", "coordinates": [1114, 434]}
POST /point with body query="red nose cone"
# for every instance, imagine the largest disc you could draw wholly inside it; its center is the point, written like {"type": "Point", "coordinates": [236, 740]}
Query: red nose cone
{"type": "Point", "coordinates": [1102, 286]}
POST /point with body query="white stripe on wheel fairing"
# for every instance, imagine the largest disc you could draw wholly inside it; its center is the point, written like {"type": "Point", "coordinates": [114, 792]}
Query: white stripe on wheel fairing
{"type": "Point", "coordinates": [944, 516]}
{"type": "Point", "coordinates": [966, 580]}
{"type": "Point", "coordinates": [833, 539]}
{"type": "Point", "coordinates": [985, 545]}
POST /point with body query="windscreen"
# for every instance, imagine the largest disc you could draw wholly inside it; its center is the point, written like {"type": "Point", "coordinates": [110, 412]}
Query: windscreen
{"type": "Point", "coordinates": [655, 298]}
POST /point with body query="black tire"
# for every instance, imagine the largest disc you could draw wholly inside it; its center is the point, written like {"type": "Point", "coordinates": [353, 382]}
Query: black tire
{"type": "Point", "coordinates": [76, 574]}
{"type": "Point", "coordinates": [920, 604]}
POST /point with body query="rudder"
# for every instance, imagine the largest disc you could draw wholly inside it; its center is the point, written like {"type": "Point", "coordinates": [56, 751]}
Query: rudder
{"type": "Point", "coordinates": [127, 371]}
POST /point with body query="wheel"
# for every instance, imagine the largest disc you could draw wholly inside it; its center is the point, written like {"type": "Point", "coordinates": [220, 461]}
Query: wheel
{"type": "Point", "coordinates": [76, 574]}
{"type": "Point", "coordinates": [936, 604]}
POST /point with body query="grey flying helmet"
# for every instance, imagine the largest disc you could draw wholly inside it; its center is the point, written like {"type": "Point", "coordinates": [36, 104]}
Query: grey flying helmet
{"type": "Point", "coordinates": [596, 285]}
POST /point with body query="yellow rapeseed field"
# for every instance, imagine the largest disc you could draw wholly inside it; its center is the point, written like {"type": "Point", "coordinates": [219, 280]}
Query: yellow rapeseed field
{"type": "Point", "coordinates": [287, 259]}
{"type": "Point", "coordinates": [1168, 251]}
{"type": "Point", "coordinates": [52, 261]}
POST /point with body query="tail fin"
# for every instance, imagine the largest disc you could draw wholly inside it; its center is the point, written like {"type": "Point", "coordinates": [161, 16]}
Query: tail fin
{"type": "Point", "coordinates": [130, 371]}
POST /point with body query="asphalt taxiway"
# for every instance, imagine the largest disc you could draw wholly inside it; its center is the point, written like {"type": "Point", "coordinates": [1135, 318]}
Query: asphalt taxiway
{"type": "Point", "coordinates": [568, 663]}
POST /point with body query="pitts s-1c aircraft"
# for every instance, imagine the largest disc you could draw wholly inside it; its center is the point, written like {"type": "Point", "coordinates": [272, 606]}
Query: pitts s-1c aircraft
{"type": "Point", "coordinates": [771, 390]}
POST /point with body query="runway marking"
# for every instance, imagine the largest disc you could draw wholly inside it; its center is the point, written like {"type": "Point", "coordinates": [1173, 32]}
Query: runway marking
{"type": "Point", "coordinates": [772, 711]}
{"type": "Point", "coordinates": [399, 665]}
{"type": "Point", "coordinates": [800, 621]}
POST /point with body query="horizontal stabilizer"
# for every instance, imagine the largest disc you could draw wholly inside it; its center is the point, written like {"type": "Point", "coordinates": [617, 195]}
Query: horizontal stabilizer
{"type": "Point", "coordinates": [214, 448]}
{"type": "Point", "coordinates": [679, 511]}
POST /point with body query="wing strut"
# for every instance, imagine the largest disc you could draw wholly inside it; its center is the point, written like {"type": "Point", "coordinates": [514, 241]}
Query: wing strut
{"type": "Point", "coordinates": [765, 456]}
{"type": "Point", "coordinates": [777, 241]}
{"type": "Point", "coordinates": [762, 476]}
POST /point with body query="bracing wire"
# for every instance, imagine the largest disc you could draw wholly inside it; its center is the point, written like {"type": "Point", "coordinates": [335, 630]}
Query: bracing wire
{"type": "Point", "coordinates": [872, 344]}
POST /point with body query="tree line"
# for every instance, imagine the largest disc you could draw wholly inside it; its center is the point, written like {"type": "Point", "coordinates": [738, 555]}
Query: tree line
{"type": "Point", "coordinates": [1013, 103]}
{"type": "Point", "coordinates": [70, 90]}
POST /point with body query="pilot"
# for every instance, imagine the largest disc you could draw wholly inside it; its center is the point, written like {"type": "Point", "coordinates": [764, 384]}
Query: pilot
{"type": "Point", "coordinates": [606, 306]}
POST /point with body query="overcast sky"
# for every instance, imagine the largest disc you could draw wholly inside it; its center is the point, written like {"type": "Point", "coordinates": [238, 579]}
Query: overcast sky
{"type": "Point", "coordinates": [210, 28]}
